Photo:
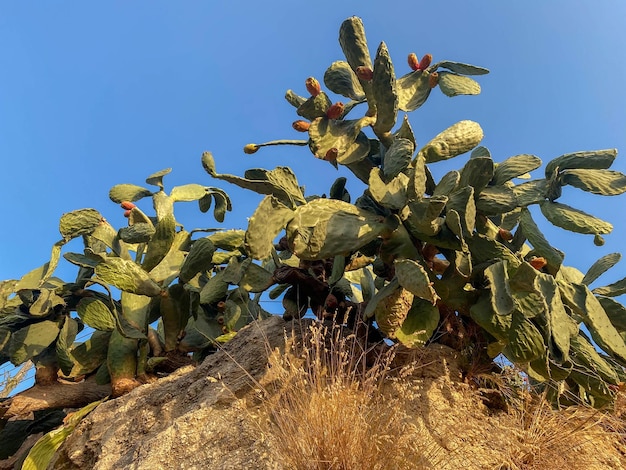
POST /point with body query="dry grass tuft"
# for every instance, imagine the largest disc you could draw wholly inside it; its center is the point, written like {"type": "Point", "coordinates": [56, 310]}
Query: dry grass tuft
{"type": "Point", "coordinates": [326, 409]}
{"type": "Point", "coordinates": [577, 437]}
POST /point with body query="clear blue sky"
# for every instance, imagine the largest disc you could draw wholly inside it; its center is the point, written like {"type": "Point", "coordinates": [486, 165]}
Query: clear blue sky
{"type": "Point", "coordinates": [93, 94]}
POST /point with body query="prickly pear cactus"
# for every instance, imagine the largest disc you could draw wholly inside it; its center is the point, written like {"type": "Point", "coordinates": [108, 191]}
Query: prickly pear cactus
{"type": "Point", "coordinates": [462, 260]}
{"type": "Point", "coordinates": [175, 299]}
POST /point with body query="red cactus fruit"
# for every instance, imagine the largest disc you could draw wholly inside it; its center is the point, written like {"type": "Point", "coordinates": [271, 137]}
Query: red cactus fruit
{"type": "Point", "coordinates": [313, 86]}
{"type": "Point", "coordinates": [301, 126]}
{"type": "Point", "coordinates": [505, 234]}
{"type": "Point", "coordinates": [538, 262]}
{"type": "Point", "coordinates": [335, 111]}
{"type": "Point", "coordinates": [127, 205]}
{"type": "Point", "coordinates": [425, 62]}
{"type": "Point", "coordinates": [413, 62]}
{"type": "Point", "coordinates": [127, 213]}
{"type": "Point", "coordinates": [433, 80]}
{"type": "Point", "coordinates": [364, 73]}
{"type": "Point", "coordinates": [331, 155]}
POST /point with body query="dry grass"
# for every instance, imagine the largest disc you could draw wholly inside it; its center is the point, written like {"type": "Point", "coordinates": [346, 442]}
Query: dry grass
{"type": "Point", "coordinates": [324, 406]}
{"type": "Point", "coordinates": [577, 437]}
{"type": "Point", "coordinates": [326, 409]}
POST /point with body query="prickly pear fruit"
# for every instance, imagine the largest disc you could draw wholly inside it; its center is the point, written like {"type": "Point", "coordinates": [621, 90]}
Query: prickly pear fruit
{"type": "Point", "coordinates": [413, 62]}
{"type": "Point", "coordinates": [127, 213]}
{"type": "Point", "coordinates": [331, 155]}
{"type": "Point", "coordinates": [250, 148]}
{"type": "Point", "coordinates": [301, 126]}
{"type": "Point", "coordinates": [127, 205]}
{"type": "Point", "coordinates": [538, 262]}
{"type": "Point", "coordinates": [313, 86]}
{"type": "Point", "coordinates": [335, 111]}
{"type": "Point", "coordinates": [364, 73]}
{"type": "Point", "coordinates": [425, 62]}
{"type": "Point", "coordinates": [505, 234]}
{"type": "Point", "coordinates": [433, 80]}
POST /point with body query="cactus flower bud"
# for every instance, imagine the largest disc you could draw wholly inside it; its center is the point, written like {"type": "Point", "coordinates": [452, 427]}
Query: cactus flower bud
{"type": "Point", "coordinates": [127, 213]}
{"type": "Point", "coordinates": [331, 155]}
{"type": "Point", "coordinates": [250, 149]}
{"type": "Point", "coordinates": [505, 234]}
{"type": "Point", "coordinates": [364, 73]}
{"type": "Point", "coordinates": [538, 262]}
{"type": "Point", "coordinates": [335, 111]}
{"type": "Point", "coordinates": [413, 62]}
{"type": "Point", "coordinates": [433, 80]}
{"type": "Point", "coordinates": [425, 62]}
{"type": "Point", "coordinates": [313, 86]}
{"type": "Point", "coordinates": [301, 126]}
{"type": "Point", "coordinates": [127, 205]}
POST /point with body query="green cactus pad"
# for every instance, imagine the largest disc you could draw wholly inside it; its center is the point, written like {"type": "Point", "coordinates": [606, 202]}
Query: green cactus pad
{"type": "Point", "coordinates": [477, 172]}
{"type": "Point", "coordinates": [612, 290]}
{"type": "Point", "coordinates": [341, 79]}
{"type": "Point", "coordinates": [538, 240]}
{"type": "Point", "coordinates": [280, 182]}
{"type": "Point", "coordinates": [525, 340]}
{"type": "Point", "coordinates": [208, 163]}
{"type": "Point", "coordinates": [593, 160]}
{"type": "Point", "coordinates": [531, 192]}
{"type": "Point", "coordinates": [91, 354]}
{"type": "Point", "coordinates": [462, 201]}
{"type": "Point", "coordinates": [497, 326]}
{"type": "Point", "coordinates": [392, 195]}
{"type": "Point", "coordinates": [188, 192]}
{"type": "Point", "coordinates": [96, 314]}
{"type": "Point", "coordinates": [405, 131]}
{"type": "Point", "coordinates": [413, 277]}
{"type": "Point", "coordinates": [463, 69]}
{"type": "Point", "coordinates": [140, 232]}
{"type": "Point", "coordinates": [160, 243]}
{"type": "Point", "coordinates": [583, 302]}
{"type": "Point", "coordinates": [128, 192]}
{"type": "Point", "coordinates": [270, 217]}
{"type": "Point", "coordinates": [452, 84]}
{"type": "Point", "coordinates": [214, 290]}
{"type": "Point", "coordinates": [315, 106]}
{"type": "Point", "coordinates": [573, 220]}
{"type": "Point", "coordinates": [327, 134]}
{"type": "Point", "coordinates": [419, 179]}
{"type": "Point", "coordinates": [495, 200]}
{"type": "Point", "coordinates": [156, 179]}
{"type": "Point", "coordinates": [384, 90]}
{"type": "Point", "coordinates": [561, 326]}
{"type": "Point", "coordinates": [198, 259]}
{"type": "Point", "coordinates": [324, 228]}
{"type": "Point", "coordinates": [31, 340]}
{"type": "Point", "coordinates": [455, 140]}
{"type": "Point", "coordinates": [126, 276]}
{"type": "Point", "coordinates": [419, 324]}
{"type": "Point", "coordinates": [229, 240]}
{"type": "Point", "coordinates": [294, 99]}
{"type": "Point", "coordinates": [338, 190]}
{"type": "Point", "coordinates": [447, 184]}
{"type": "Point", "coordinates": [603, 182]}
{"type": "Point", "coordinates": [500, 292]}
{"type": "Point", "coordinates": [514, 167]}
{"type": "Point", "coordinates": [397, 157]}
{"type": "Point", "coordinates": [616, 313]}
{"type": "Point", "coordinates": [600, 267]}
{"type": "Point", "coordinates": [81, 222]}
{"type": "Point", "coordinates": [64, 343]}
{"type": "Point", "coordinates": [413, 90]}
